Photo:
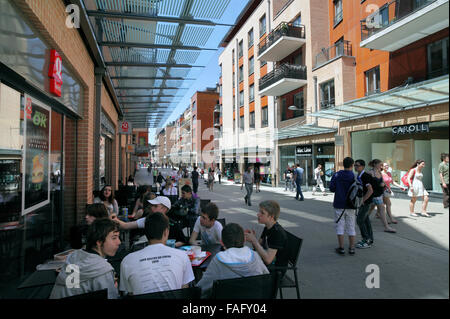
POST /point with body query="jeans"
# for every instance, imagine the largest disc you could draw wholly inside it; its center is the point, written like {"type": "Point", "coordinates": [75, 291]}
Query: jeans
{"type": "Point", "coordinates": [249, 189]}
{"type": "Point", "coordinates": [363, 222]}
{"type": "Point", "coordinates": [288, 184]}
{"type": "Point", "coordinates": [195, 187]}
{"type": "Point", "coordinates": [299, 189]}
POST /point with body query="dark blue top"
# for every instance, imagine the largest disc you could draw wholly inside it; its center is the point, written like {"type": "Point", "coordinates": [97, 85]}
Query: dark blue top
{"type": "Point", "coordinates": [339, 185]}
{"type": "Point", "coordinates": [299, 174]}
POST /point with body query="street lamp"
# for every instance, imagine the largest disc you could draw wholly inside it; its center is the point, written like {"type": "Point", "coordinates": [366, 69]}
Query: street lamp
{"type": "Point", "coordinates": [294, 108]}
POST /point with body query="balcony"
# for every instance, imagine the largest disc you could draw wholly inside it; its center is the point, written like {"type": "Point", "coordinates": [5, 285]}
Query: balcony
{"type": "Point", "coordinates": [281, 42]}
{"type": "Point", "coordinates": [217, 108]}
{"type": "Point", "coordinates": [283, 79]}
{"type": "Point", "coordinates": [336, 51]}
{"type": "Point", "coordinates": [402, 22]}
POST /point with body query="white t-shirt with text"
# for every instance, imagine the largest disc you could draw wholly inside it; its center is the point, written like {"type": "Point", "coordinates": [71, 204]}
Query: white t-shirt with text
{"type": "Point", "coordinates": [155, 268]}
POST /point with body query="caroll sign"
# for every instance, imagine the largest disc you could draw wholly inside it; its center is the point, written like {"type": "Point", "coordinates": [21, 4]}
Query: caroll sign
{"type": "Point", "coordinates": [411, 129]}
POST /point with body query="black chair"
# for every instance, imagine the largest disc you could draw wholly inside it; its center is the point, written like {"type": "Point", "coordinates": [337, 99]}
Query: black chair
{"type": "Point", "coordinates": [285, 281]}
{"type": "Point", "coordinates": [254, 287]}
{"type": "Point", "coordinates": [222, 221]}
{"type": "Point", "coordinates": [98, 294]}
{"type": "Point", "coordinates": [184, 293]}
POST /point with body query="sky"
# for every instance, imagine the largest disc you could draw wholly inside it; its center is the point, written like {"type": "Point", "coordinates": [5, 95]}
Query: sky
{"type": "Point", "coordinates": [208, 76]}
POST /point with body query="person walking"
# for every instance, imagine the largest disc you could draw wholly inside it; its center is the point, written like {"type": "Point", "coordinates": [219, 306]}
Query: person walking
{"type": "Point", "coordinates": [416, 188]}
{"type": "Point", "coordinates": [298, 177]}
{"type": "Point", "coordinates": [443, 177]}
{"type": "Point", "coordinates": [219, 175]}
{"type": "Point", "coordinates": [159, 182]}
{"type": "Point", "coordinates": [378, 190]}
{"type": "Point", "coordinates": [288, 179]}
{"type": "Point", "coordinates": [344, 214]}
{"type": "Point", "coordinates": [194, 176]}
{"type": "Point", "coordinates": [211, 179]}
{"type": "Point", "coordinates": [257, 179]}
{"type": "Point", "coordinates": [362, 218]}
{"type": "Point", "coordinates": [388, 193]}
{"type": "Point", "coordinates": [318, 173]}
{"type": "Point", "coordinates": [248, 180]}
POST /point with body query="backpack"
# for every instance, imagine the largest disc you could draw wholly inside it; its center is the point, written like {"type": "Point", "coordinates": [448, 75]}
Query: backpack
{"type": "Point", "coordinates": [354, 196]}
{"type": "Point", "coordinates": [405, 179]}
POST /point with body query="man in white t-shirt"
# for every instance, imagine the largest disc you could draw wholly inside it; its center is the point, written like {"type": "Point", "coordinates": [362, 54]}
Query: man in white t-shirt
{"type": "Point", "coordinates": [207, 225]}
{"type": "Point", "coordinates": [156, 267]}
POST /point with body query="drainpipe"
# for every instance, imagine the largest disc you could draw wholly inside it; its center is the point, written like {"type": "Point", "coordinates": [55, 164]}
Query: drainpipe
{"type": "Point", "coordinates": [315, 99]}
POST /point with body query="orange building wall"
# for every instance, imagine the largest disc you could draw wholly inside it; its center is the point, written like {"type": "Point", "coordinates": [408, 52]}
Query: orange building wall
{"type": "Point", "coordinates": [205, 103]}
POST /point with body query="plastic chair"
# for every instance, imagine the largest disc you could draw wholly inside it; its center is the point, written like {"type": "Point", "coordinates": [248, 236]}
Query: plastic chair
{"type": "Point", "coordinates": [253, 287]}
{"type": "Point", "coordinates": [98, 294]}
{"type": "Point", "coordinates": [285, 281]}
{"type": "Point", "coordinates": [184, 293]}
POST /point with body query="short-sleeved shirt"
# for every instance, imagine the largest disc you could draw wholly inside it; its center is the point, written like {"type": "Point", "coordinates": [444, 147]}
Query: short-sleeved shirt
{"type": "Point", "coordinates": [194, 176]}
{"type": "Point", "coordinates": [248, 178]}
{"type": "Point", "coordinates": [155, 268]}
{"type": "Point", "coordinates": [276, 238]}
{"type": "Point", "coordinates": [211, 235]}
{"type": "Point", "coordinates": [367, 179]}
{"type": "Point", "coordinates": [299, 172]}
{"type": "Point", "coordinates": [443, 169]}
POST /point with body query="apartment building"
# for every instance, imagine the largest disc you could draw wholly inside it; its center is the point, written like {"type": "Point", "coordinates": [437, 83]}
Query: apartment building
{"type": "Point", "coordinates": [246, 126]}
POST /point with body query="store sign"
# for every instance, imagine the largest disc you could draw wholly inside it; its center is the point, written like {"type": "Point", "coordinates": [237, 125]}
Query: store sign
{"type": "Point", "coordinates": [55, 73]}
{"type": "Point", "coordinates": [303, 150]}
{"type": "Point", "coordinates": [130, 148]}
{"type": "Point", "coordinates": [36, 162]}
{"type": "Point", "coordinates": [411, 129]}
{"type": "Point", "coordinates": [125, 127]}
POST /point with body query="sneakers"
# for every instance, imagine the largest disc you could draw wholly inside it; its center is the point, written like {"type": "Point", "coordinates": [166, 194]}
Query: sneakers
{"type": "Point", "coordinates": [351, 251]}
{"type": "Point", "coordinates": [364, 244]}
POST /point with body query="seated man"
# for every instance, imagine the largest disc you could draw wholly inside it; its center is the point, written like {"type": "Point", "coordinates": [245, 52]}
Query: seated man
{"type": "Point", "coordinates": [95, 273]}
{"type": "Point", "coordinates": [160, 204]}
{"type": "Point", "coordinates": [187, 207]}
{"type": "Point", "coordinates": [78, 233]}
{"type": "Point", "coordinates": [236, 261]}
{"type": "Point", "coordinates": [156, 267]}
{"type": "Point", "coordinates": [207, 225]}
{"type": "Point", "coordinates": [272, 245]}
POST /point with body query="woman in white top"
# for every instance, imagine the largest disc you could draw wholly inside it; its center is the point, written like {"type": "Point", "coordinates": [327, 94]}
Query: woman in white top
{"type": "Point", "coordinates": [318, 173]}
{"type": "Point", "coordinates": [416, 188]}
{"type": "Point", "coordinates": [170, 190]}
{"type": "Point", "coordinates": [106, 197]}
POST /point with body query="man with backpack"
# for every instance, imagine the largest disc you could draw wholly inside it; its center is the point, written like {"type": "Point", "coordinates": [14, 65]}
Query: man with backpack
{"type": "Point", "coordinates": [363, 219]}
{"type": "Point", "coordinates": [345, 187]}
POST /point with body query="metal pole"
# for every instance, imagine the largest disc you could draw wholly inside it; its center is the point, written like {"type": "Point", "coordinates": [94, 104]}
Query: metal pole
{"type": "Point", "coordinates": [99, 72]}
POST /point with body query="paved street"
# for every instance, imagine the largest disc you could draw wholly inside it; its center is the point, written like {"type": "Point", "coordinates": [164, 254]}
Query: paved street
{"type": "Point", "coordinates": [413, 263]}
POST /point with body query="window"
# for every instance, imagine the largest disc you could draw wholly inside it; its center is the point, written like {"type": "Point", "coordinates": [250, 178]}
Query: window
{"type": "Point", "coordinates": [234, 81]}
{"type": "Point", "coordinates": [220, 75]}
{"type": "Point", "coordinates": [250, 38]}
{"type": "Point", "coordinates": [252, 120]}
{"type": "Point", "coordinates": [264, 117]}
{"type": "Point", "coordinates": [241, 123]}
{"type": "Point", "coordinates": [241, 73]}
{"type": "Point", "coordinates": [283, 110]}
{"type": "Point", "coordinates": [263, 63]}
{"type": "Point", "coordinates": [437, 58]}
{"type": "Point", "coordinates": [262, 26]}
{"type": "Point", "coordinates": [234, 125]}
{"type": "Point", "coordinates": [298, 60]}
{"type": "Point", "coordinates": [300, 104]}
{"type": "Point", "coordinates": [251, 66]}
{"type": "Point", "coordinates": [372, 80]}
{"type": "Point", "coordinates": [241, 98]}
{"type": "Point", "coordinates": [298, 21]}
{"type": "Point", "coordinates": [232, 54]}
{"type": "Point", "coordinates": [339, 47]}
{"type": "Point", "coordinates": [327, 94]}
{"type": "Point", "coordinates": [234, 101]}
{"type": "Point", "coordinates": [338, 14]}
{"type": "Point", "coordinates": [240, 49]}
{"type": "Point", "coordinates": [220, 90]}
{"type": "Point", "coordinates": [251, 97]}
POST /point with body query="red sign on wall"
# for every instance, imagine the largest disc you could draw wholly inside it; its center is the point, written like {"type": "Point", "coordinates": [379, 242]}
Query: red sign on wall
{"type": "Point", "coordinates": [55, 73]}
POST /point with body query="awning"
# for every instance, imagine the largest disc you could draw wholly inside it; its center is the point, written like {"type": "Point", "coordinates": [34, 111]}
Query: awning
{"type": "Point", "coordinates": [299, 130]}
{"type": "Point", "coordinates": [430, 92]}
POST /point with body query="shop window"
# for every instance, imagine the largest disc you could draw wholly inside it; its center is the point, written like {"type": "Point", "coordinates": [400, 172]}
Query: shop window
{"type": "Point", "coordinates": [372, 81]}
{"type": "Point", "coordinates": [262, 26]}
{"type": "Point", "coordinates": [264, 117]}
{"type": "Point", "coordinates": [437, 53]}
{"type": "Point", "coordinates": [251, 93]}
{"type": "Point", "coordinates": [327, 95]}
{"type": "Point", "coordinates": [241, 124]}
{"type": "Point", "coordinates": [251, 65]}
{"type": "Point", "coordinates": [252, 120]}
{"type": "Point", "coordinates": [250, 38]}
{"type": "Point", "coordinates": [338, 13]}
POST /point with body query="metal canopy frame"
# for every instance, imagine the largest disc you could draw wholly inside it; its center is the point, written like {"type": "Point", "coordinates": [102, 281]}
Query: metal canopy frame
{"type": "Point", "coordinates": [153, 45]}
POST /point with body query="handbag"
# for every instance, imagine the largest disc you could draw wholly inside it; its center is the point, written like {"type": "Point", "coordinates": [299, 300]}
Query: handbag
{"type": "Point", "coordinates": [405, 180]}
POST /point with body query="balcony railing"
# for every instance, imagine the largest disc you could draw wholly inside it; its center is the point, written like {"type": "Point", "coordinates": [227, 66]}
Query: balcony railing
{"type": "Point", "coordinates": [389, 14]}
{"type": "Point", "coordinates": [284, 29]}
{"type": "Point", "coordinates": [327, 104]}
{"type": "Point", "coordinates": [281, 72]}
{"type": "Point", "coordinates": [343, 48]}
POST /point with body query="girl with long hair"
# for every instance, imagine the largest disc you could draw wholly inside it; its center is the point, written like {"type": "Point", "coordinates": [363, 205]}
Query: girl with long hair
{"type": "Point", "coordinates": [387, 177]}
{"type": "Point", "coordinates": [106, 197]}
{"type": "Point", "coordinates": [416, 188]}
